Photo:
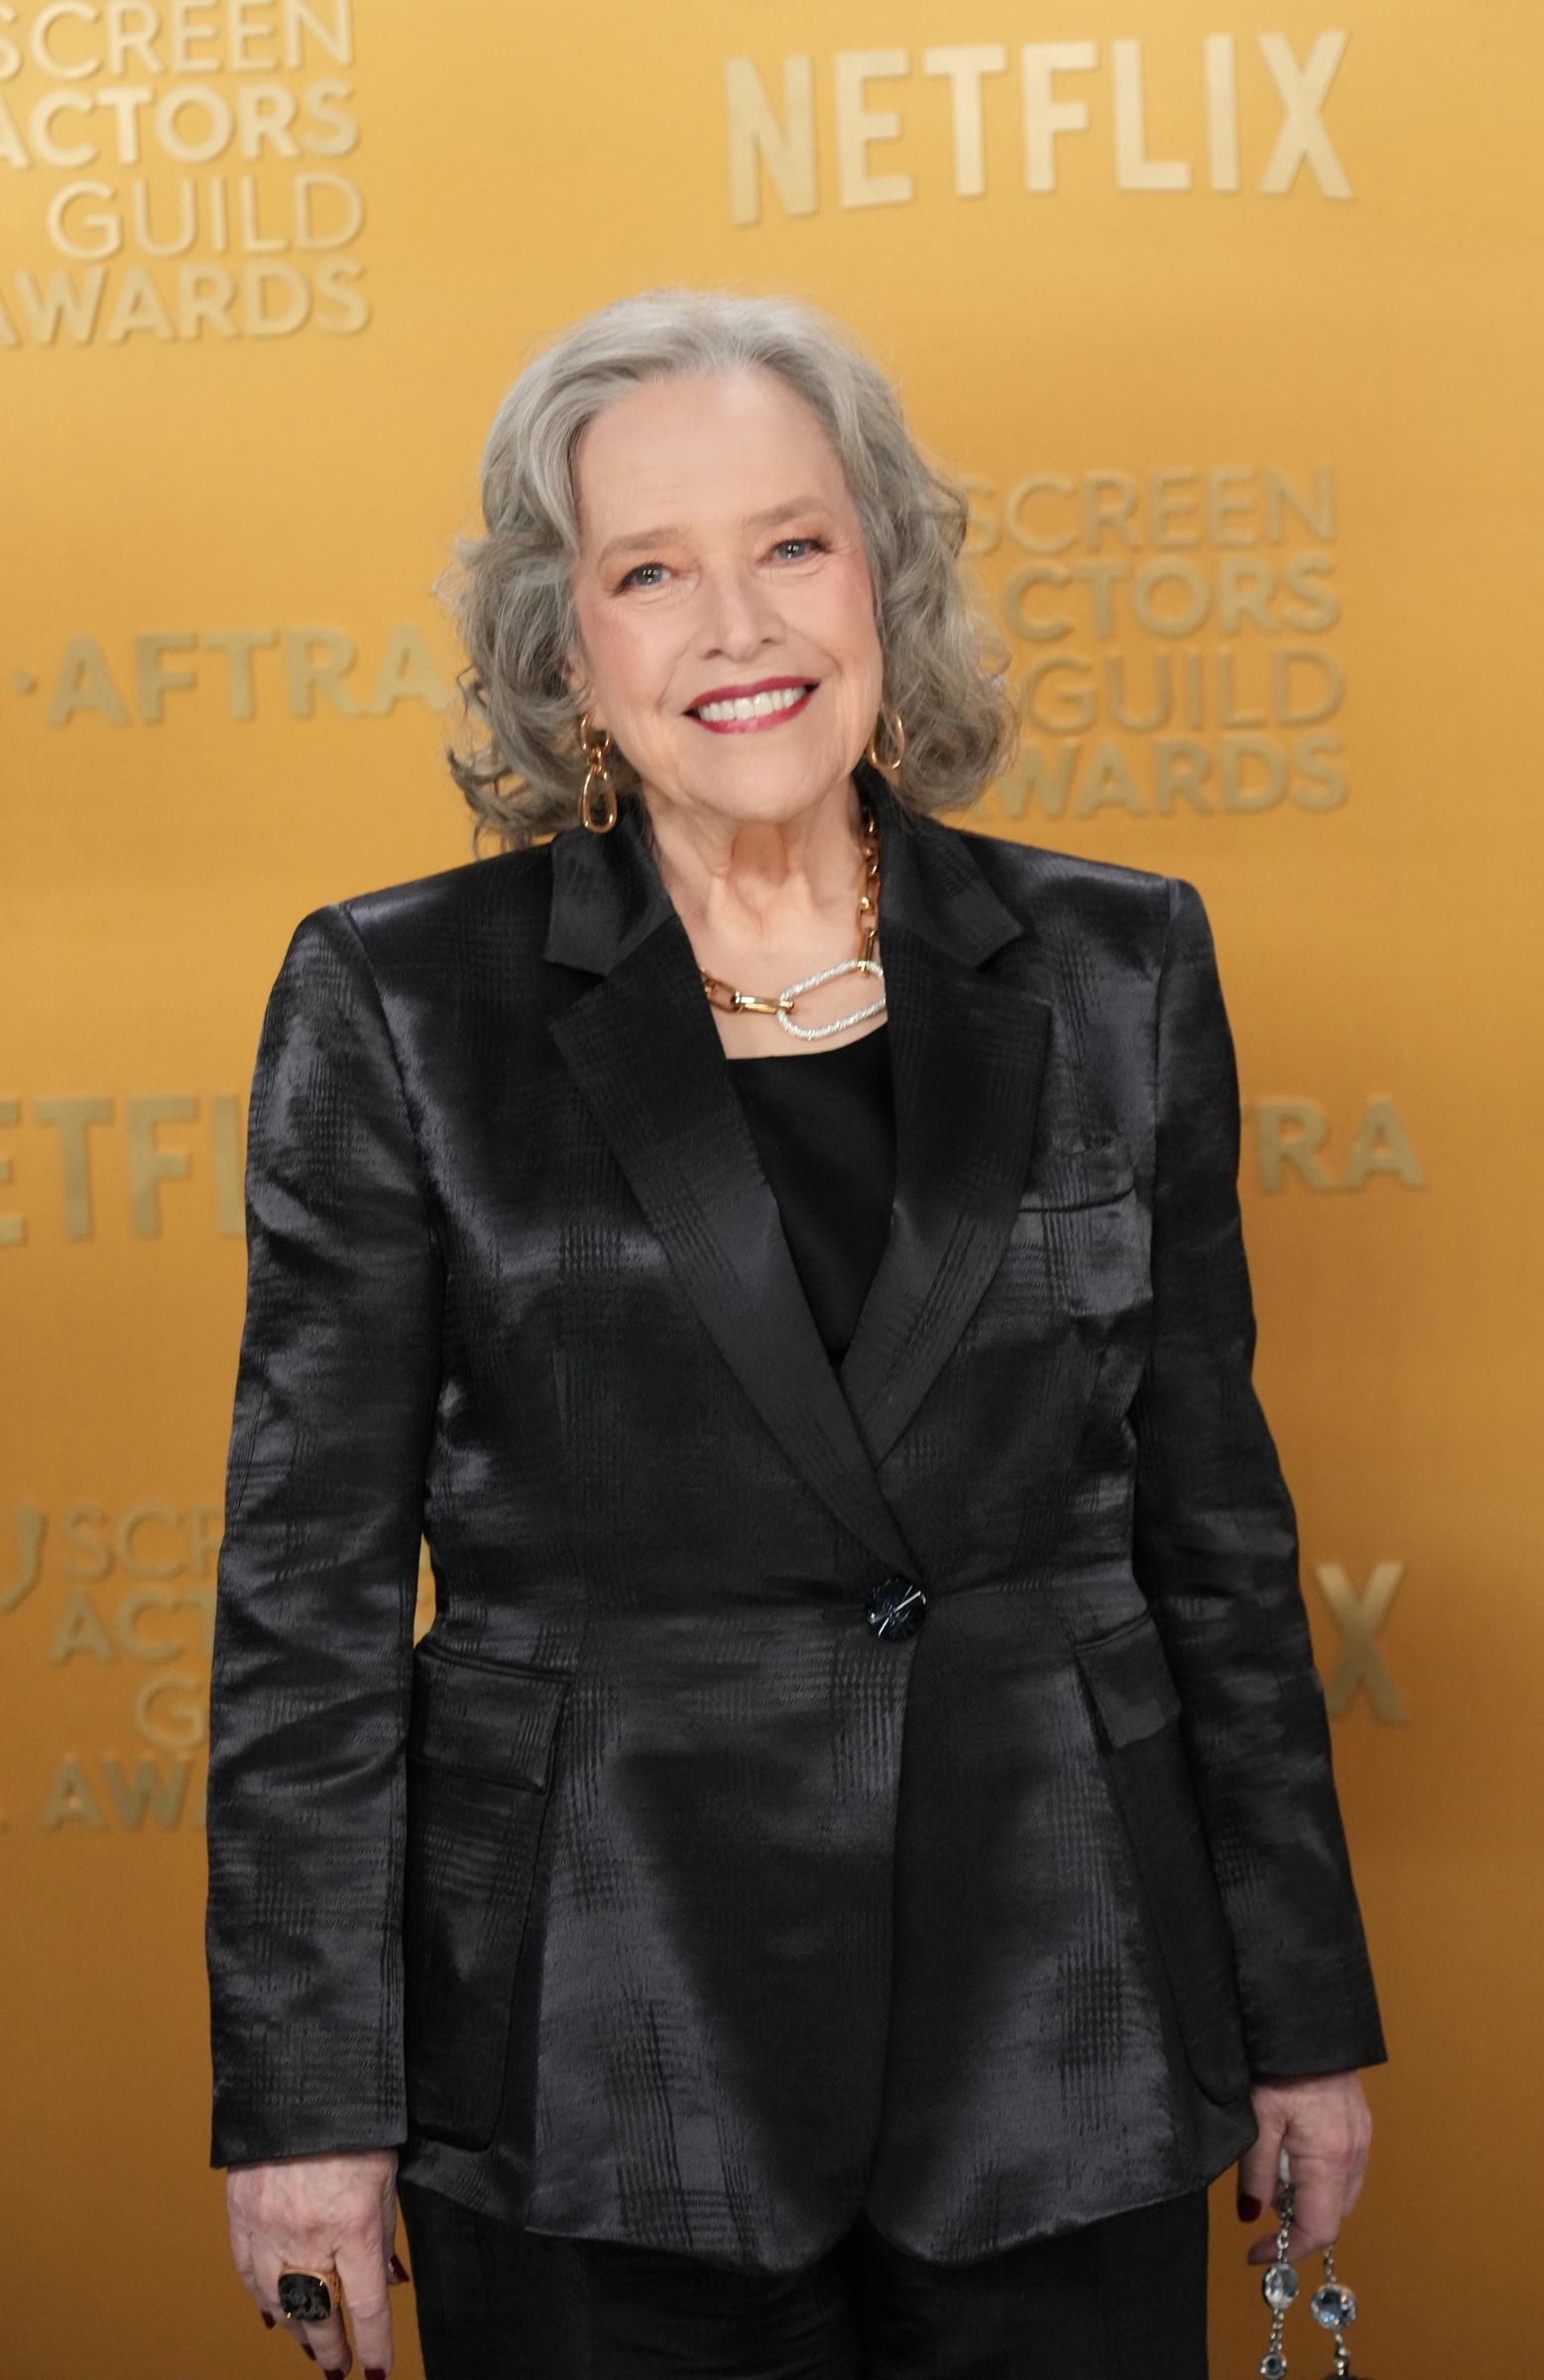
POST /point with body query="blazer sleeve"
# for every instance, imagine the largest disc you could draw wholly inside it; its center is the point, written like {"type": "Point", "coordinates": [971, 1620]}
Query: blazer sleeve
{"type": "Point", "coordinates": [1216, 1555]}
{"type": "Point", "coordinates": [337, 1380]}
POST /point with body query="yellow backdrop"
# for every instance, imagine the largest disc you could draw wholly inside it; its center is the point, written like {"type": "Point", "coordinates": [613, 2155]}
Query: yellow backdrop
{"type": "Point", "coordinates": [1230, 316]}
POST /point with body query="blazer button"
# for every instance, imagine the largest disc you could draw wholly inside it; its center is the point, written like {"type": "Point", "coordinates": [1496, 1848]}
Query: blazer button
{"type": "Point", "coordinates": [896, 1607]}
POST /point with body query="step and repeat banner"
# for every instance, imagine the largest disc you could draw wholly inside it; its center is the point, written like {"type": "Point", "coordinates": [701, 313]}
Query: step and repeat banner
{"type": "Point", "coordinates": [1229, 318]}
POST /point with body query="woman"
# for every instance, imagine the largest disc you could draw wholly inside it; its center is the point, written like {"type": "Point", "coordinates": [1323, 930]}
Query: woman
{"type": "Point", "coordinates": [857, 1851]}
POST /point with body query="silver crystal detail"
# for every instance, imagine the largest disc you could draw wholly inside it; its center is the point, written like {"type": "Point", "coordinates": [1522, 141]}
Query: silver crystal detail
{"type": "Point", "coordinates": [1279, 2285]}
{"type": "Point", "coordinates": [818, 1032]}
{"type": "Point", "coordinates": [1333, 2305]}
{"type": "Point", "coordinates": [1274, 2365]}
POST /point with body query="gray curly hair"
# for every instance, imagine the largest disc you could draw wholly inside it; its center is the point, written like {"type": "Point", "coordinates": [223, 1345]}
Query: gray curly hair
{"type": "Point", "coordinates": [510, 596]}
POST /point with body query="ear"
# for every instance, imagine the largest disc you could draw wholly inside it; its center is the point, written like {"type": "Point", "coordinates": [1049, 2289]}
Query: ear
{"type": "Point", "coordinates": [577, 678]}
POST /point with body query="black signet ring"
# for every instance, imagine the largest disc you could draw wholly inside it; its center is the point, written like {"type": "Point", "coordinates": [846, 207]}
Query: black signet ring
{"type": "Point", "coordinates": [307, 2297]}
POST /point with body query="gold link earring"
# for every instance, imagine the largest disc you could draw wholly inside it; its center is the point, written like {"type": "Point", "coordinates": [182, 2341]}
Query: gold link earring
{"type": "Point", "coordinates": [897, 738]}
{"type": "Point", "coordinates": [597, 753]}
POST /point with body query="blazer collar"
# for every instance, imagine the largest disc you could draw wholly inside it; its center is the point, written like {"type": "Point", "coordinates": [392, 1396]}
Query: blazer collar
{"type": "Point", "coordinates": [966, 1047]}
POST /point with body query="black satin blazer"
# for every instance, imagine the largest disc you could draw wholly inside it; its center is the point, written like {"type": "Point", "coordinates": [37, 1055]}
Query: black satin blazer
{"type": "Point", "coordinates": [670, 1890]}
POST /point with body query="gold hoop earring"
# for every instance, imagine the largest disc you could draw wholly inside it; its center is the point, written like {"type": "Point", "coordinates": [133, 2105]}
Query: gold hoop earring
{"type": "Point", "coordinates": [597, 752]}
{"type": "Point", "coordinates": [897, 737]}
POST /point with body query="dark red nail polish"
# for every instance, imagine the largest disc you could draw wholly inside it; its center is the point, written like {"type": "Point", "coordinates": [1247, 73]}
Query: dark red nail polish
{"type": "Point", "coordinates": [1249, 2209]}
{"type": "Point", "coordinates": [268, 2317]}
{"type": "Point", "coordinates": [399, 2268]}
{"type": "Point", "coordinates": [372, 2371]}
{"type": "Point", "coordinates": [330, 2374]}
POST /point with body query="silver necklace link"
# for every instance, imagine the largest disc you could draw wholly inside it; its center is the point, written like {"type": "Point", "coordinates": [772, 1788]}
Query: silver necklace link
{"type": "Point", "coordinates": [818, 1032]}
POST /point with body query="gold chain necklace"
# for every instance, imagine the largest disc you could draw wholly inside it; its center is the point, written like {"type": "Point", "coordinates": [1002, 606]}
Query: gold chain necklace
{"type": "Point", "coordinates": [782, 1004]}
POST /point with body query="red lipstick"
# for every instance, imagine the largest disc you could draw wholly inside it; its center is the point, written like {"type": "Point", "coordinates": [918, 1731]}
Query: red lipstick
{"type": "Point", "coordinates": [765, 686]}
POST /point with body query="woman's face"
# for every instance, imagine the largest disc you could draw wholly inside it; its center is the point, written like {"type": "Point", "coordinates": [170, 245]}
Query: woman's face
{"type": "Point", "coordinates": [720, 556]}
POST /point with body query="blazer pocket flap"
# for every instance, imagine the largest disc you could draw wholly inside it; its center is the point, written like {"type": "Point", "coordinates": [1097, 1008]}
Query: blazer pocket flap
{"type": "Point", "coordinates": [496, 1718]}
{"type": "Point", "coordinates": [1129, 1676]}
{"type": "Point", "coordinates": [1084, 1175]}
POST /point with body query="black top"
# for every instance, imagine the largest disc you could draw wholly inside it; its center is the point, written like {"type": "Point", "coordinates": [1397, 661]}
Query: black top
{"type": "Point", "coordinates": [824, 1128]}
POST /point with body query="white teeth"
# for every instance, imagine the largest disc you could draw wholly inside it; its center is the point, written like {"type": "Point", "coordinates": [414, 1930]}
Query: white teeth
{"type": "Point", "coordinates": [752, 706]}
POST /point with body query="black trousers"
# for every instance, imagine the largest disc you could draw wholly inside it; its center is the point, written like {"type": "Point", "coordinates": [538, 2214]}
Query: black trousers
{"type": "Point", "coordinates": [1123, 2299]}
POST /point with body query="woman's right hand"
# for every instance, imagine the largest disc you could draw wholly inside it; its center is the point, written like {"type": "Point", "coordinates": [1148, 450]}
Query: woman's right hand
{"type": "Point", "coordinates": [332, 2212]}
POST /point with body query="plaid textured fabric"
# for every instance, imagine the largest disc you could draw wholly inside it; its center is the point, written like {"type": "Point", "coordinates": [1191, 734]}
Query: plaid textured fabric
{"type": "Point", "coordinates": [660, 1894]}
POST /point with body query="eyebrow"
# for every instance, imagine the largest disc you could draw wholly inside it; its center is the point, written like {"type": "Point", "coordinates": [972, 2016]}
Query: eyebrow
{"type": "Point", "coordinates": [638, 539]}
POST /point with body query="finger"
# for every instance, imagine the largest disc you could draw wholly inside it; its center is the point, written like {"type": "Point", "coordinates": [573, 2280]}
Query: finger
{"type": "Point", "coordinates": [1354, 2183]}
{"type": "Point", "coordinates": [243, 2256]}
{"type": "Point", "coordinates": [362, 2271]}
{"type": "Point", "coordinates": [1257, 2170]}
{"type": "Point", "coordinates": [326, 2343]}
{"type": "Point", "coordinates": [275, 2313]}
{"type": "Point", "coordinates": [1316, 2211]}
{"type": "Point", "coordinates": [396, 2270]}
{"type": "Point", "coordinates": [1324, 2175]}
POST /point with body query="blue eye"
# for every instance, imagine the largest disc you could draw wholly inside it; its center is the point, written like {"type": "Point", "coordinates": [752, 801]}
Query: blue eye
{"type": "Point", "coordinates": [819, 545]}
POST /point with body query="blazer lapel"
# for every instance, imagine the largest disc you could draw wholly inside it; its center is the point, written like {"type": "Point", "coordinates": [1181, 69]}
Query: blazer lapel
{"type": "Point", "coordinates": [646, 1054]}
{"type": "Point", "coordinates": [967, 1050]}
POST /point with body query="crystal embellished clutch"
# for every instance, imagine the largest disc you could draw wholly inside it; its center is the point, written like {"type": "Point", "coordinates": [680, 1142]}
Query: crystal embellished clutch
{"type": "Point", "coordinates": [1332, 2305]}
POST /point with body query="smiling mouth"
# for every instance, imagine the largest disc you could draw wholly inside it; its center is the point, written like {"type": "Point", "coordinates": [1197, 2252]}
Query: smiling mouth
{"type": "Point", "coordinates": [747, 713]}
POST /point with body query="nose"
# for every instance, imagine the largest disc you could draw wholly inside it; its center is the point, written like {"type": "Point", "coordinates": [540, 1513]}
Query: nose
{"type": "Point", "coordinates": [740, 614]}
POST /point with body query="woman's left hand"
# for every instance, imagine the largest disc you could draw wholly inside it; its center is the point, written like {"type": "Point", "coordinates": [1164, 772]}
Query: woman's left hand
{"type": "Point", "coordinates": [1324, 2125]}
